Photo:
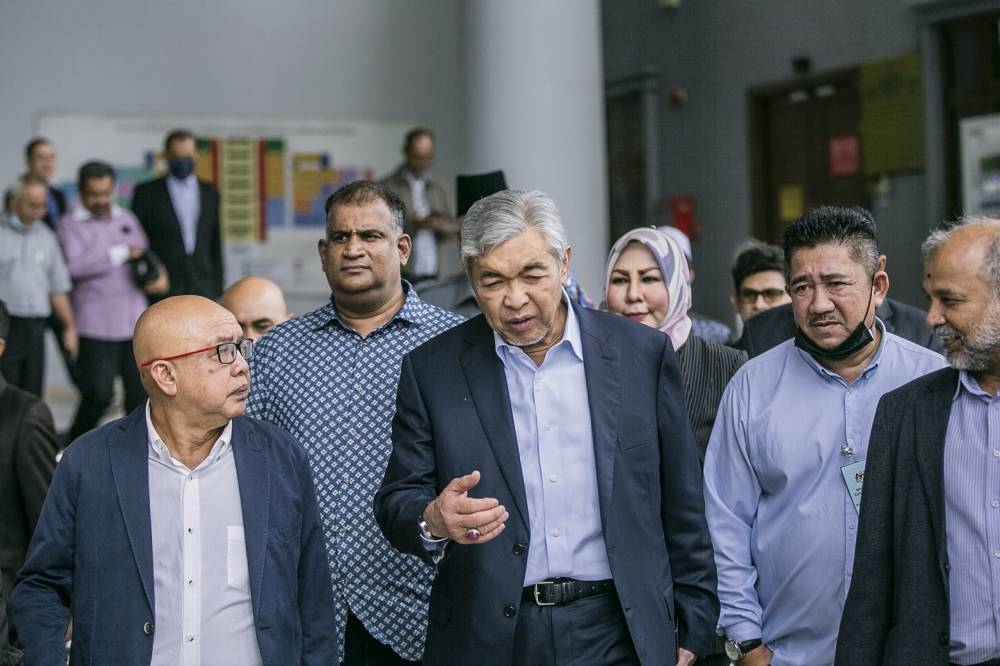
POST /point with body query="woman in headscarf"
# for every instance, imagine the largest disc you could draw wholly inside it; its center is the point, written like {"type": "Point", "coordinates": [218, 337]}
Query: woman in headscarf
{"type": "Point", "coordinates": [647, 281]}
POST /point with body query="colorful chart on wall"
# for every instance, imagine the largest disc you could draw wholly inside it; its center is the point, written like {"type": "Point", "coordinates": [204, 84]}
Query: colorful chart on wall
{"type": "Point", "coordinates": [273, 176]}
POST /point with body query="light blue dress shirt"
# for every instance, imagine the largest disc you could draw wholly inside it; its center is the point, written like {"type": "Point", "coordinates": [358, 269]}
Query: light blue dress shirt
{"type": "Point", "coordinates": [186, 198]}
{"type": "Point", "coordinates": [781, 518]}
{"type": "Point", "coordinates": [551, 412]}
{"type": "Point", "coordinates": [972, 514]}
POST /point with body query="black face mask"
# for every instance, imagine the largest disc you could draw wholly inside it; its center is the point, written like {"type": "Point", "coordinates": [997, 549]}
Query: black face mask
{"type": "Point", "coordinates": [859, 338]}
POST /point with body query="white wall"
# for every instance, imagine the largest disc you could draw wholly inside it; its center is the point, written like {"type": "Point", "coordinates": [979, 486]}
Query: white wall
{"type": "Point", "coordinates": [343, 59]}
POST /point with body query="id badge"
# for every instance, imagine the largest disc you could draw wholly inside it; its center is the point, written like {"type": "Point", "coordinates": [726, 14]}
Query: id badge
{"type": "Point", "coordinates": [854, 477]}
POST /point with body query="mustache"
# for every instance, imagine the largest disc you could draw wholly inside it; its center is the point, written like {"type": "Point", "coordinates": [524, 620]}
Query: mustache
{"type": "Point", "coordinates": [815, 320]}
{"type": "Point", "coordinates": [944, 331]}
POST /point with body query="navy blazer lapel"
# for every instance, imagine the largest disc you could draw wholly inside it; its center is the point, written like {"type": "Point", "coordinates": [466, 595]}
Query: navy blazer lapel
{"type": "Point", "coordinates": [255, 490]}
{"type": "Point", "coordinates": [484, 374]}
{"type": "Point", "coordinates": [128, 450]}
{"type": "Point", "coordinates": [932, 413]}
{"type": "Point", "coordinates": [602, 364]}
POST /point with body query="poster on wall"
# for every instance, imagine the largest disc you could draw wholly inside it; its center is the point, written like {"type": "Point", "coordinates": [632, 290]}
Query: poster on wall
{"type": "Point", "coordinates": [273, 177]}
{"type": "Point", "coordinates": [980, 141]}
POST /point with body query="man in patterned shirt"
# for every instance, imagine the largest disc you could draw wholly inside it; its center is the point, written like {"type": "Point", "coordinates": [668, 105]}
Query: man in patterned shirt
{"type": "Point", "coordinates": [329, 377]}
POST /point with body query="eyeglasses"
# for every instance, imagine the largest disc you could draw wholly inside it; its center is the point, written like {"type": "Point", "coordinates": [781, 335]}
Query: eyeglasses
{"type": "Point", "coordinates": [226, 352]}
{"type": "Point", "coordinates": [748, 295]}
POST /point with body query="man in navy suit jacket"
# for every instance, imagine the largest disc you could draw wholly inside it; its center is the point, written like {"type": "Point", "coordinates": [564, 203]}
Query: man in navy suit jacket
{"type": "Point", "coordinates": [185, 531]}
{"type": "Point", "coordinates": [543, 459]}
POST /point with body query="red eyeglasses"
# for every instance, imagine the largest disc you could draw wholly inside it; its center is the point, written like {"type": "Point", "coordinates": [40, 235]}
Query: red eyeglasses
{"type": "Point", "coordinates": [226, 352]}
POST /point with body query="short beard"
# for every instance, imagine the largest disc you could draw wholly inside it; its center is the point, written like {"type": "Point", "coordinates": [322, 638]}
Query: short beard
{"type": "Point", "coordinates": [978, 351]}
{"type": "Point", "coordinates": [528, 343]}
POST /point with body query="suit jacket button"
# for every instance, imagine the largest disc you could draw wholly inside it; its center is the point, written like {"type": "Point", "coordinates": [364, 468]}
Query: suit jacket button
{"type": "Point", "coordinates": [148, 628]}
{"type": "Point", "coordinates": [519, 549]}
{"type": "Point", "coordinates": [509, 610]}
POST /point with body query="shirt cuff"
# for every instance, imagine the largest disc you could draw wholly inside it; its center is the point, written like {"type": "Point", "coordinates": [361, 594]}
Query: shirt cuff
{"type": "Point", "coordinates": [743, 631]}
{"type": "Point", "coordinates": [118, 254]}
{"type": "Point", "coordinates": [435, 547]}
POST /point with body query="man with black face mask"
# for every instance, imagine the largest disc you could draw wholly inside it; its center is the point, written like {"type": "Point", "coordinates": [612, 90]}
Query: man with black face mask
{"type": "Point", "coordinates": [180, 215]}
{"type": "Point", "coordinates": [785, 463]}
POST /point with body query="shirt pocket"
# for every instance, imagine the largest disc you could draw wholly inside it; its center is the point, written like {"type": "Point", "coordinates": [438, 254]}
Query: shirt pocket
{"type": "Point", "coordinates": [237, 570]}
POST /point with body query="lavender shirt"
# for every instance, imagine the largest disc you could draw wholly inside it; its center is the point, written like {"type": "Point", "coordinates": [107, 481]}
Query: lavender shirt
{"type": "Point", "coordinates": [106, 302]}
{"type": "Point", "coordinates": [972, 514]}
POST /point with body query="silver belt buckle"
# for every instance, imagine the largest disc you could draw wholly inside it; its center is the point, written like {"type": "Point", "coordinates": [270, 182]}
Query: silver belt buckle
{"type": "Point", "coordinates": [543, 603]}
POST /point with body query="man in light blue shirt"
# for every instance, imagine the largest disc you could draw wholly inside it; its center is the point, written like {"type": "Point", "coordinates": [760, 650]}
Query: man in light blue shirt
{"type": "Point", "coordinates": [785, 462]}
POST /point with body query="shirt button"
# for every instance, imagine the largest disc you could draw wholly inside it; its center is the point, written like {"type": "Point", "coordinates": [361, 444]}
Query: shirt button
{"type": "Point", "coordinates": [190, 583]}
{"type": "Point", "coordinates": [546, 427]}
{"type": "Point", "coordinates": [553, 478]}
{"type": "Point", "coordinates": [996, 553]}
{"type": "Point", "coordinates": [852, 526]}
{"type": "Point", "coordinates": [995, 503]}
{"type": "Point", "coordinates": [509, 610]}
{"type": "Point", "coordinates": [343, 581]}
{"type": "Point", "coordinates": [190, 638]}
{"type": "Point", "coordinates": [554, 531]}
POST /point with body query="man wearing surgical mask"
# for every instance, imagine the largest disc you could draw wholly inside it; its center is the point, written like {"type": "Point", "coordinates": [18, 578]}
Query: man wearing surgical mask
{"type": "Point", "coordinates": [180, 215]}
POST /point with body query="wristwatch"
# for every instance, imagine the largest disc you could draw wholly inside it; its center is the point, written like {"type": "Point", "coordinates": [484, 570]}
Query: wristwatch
{"type": "Point", "coordinates": [425, 531]}
{"type": "Point", "coordinates": [736, 650]}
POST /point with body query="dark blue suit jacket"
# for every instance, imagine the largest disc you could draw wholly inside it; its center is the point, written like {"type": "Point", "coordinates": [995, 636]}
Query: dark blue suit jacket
{"type": "Point", "coordinates": [91, 556]}
{"type": "Point", "coordinates": [453, 416]}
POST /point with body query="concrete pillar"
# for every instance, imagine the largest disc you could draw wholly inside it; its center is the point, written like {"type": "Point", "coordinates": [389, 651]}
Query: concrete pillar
{"type": "Point", "coordinates": [535, 108]}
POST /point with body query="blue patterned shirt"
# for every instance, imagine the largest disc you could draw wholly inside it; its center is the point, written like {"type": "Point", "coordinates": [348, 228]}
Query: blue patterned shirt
{"type": "Point", "coordinates": [335, 392]}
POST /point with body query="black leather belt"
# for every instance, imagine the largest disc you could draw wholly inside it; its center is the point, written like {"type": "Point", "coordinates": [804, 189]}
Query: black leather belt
{"type": "Point", "coordinates": [991, 662]}
{"type": "Point", "coordinates": [564, 590]}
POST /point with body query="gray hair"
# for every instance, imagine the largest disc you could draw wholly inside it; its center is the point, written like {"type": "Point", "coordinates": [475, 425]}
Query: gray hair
{"type": "Point", "coordinates": [499, 217]}
{"type": "Point", "coordinates": [990, 270]}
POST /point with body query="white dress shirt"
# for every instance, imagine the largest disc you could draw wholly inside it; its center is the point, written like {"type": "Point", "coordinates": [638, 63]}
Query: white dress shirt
{"type": "Point", "coordinates": [201, 581]}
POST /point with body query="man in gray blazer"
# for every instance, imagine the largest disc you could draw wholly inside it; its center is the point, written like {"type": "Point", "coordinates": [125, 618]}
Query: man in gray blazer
{"type": "Point", "coordinates": [925, 585]}
{"type": "Point", "coordinates": [428, 220]}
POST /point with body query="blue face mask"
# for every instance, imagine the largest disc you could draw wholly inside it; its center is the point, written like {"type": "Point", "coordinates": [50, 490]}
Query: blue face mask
{"type": "Point", "coordinates": [181, 167]}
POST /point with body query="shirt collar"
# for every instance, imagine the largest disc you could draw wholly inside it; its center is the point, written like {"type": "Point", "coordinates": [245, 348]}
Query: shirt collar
{"type": "Point", "coordinates": [876, 359]}
{"type": "Point", "coordinates": [17, 225]}
{"type": "Point", "coordinates": [81, 214]}
{"type": "Point", "coordinates": [188, 182]}
{"type": "Point", "coordinates": [158, 450]}
{"type": "Point", "coordinates": [414, 311]}
{"type": "Point", "coordinates": [570, 336]}
{"type": "Point", "coordinates": [411, 177]}
{"type": "Point", "coordinates": [969, 385]}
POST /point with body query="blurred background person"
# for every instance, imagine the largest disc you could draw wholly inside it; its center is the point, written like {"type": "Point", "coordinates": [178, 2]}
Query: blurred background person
{"type": "Point", "coordinates": [40, 162]}
{"type": "Point", "coordinates": [258, 305]}
{"type": "Point", "coordinates": [180, 215]}
{"type": "Point", "coordinates": [98, 240]}
{"type": "Point", "coordinates": [428, 215]}
{"type": "Point", "coordinates": [34, 283]}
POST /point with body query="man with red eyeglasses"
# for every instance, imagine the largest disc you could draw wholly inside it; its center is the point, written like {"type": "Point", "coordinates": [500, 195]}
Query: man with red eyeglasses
{"type": "Point", "coordinates": [185, 532]}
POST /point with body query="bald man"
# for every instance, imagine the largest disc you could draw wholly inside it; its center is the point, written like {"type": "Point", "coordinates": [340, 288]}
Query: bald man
{"type": "Point", "coordinates": [184, 532]}
{"type": "Point", "coordinates": [258, 305]}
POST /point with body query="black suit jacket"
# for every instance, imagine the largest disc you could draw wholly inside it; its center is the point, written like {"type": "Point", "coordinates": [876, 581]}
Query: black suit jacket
{"type": "Point", "coordinates": [897, 608]}
{"type": "Point", "coordinates": [27, 459]}
{"type": "Point", "coordinates": [60, 208]}
{"type": "Point", "coordinates": [773, 326]}
{"type": "Point", "coordinates": [200, 273]}
{"type": "Point", "coordinates": [453, 415]}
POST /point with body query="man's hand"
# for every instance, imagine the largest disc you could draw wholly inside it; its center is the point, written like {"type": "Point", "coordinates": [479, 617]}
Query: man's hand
{"type": "Point", "coordinates": [435, 222]}
{"type": "Point", "coordinates": [160, 285]}
{"type": "Point", "coordinates": [685, 657]}
{"type": "Point", "coordinates": [71, 342]}
{"type": "Point", "coordinates": [465, 519]}
{"type": "Point", "coordinates": [759, 656]}
{"type": "Point", "coordinates": [135, 252]}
